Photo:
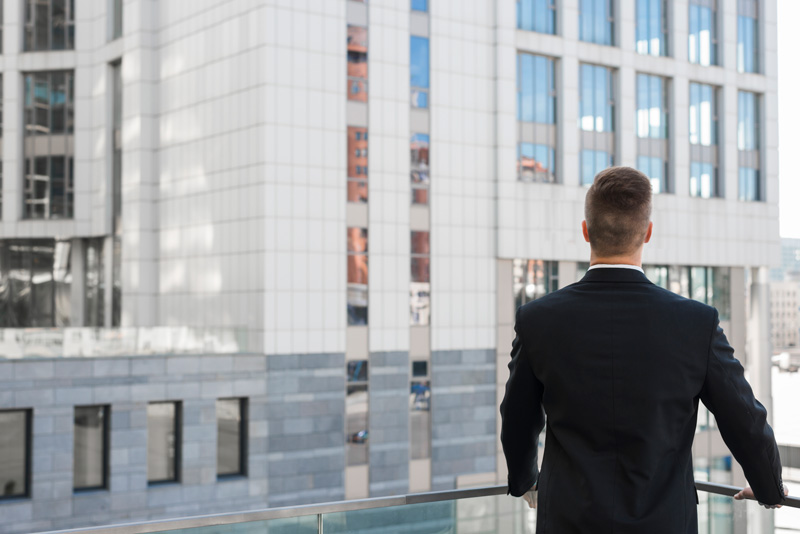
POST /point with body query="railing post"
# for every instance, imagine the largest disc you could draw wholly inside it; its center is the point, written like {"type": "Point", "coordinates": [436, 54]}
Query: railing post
{"type": "Point", "coordinates": [319, 523]}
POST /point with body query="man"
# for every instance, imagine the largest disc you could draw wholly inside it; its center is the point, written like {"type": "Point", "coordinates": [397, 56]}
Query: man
{"type": "Point", "coordinates": [619, 364]}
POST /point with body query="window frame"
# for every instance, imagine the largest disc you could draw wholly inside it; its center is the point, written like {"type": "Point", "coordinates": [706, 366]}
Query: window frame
{"type": "Point", "coordinates": [178, 431]}
{"type": "Point", "coordinates": [28, 453]}
{"type": "Point", "coordinates": [106, 461]}
{"type": "Point", "coordinates": [244, 419]}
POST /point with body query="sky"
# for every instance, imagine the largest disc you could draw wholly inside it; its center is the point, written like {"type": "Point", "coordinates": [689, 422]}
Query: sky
{"type": "Point", "coordinates": [789, 116]}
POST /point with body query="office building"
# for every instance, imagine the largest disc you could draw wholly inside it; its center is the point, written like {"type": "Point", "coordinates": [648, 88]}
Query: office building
{"type": "Point", "coordinates": [268, 253]}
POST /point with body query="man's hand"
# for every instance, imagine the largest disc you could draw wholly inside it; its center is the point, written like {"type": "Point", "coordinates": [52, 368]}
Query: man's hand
{"type": "Point", "coordinates": [747, 493]}
{"type": "Point", "coordinates": [532, 496]}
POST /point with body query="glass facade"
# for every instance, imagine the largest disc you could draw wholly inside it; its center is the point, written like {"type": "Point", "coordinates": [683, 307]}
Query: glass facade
{"type": "Point", "coordinates": [703, 134]}
{"type": "Point", "coordinates": [357, 164]}
{"type": "Point", "coordinates": [596, 116]}
{"type": "Point", "coordinates": [703, 32]}
{"type": "Point", "coordinates": [537, 15]}
{"type": "Point", "coordinates": [420, 167]}
{"type": "Point", "coordinates": [419, 405]}
{"type": "Point", "coordinates": [231, 437]}
{"type": "Point", "coordinates": [357, 413]}
{"type": "Point", "coordinates": [747, 36]}
{"type": "Point", "coordinates": [90, 449]}
{"type": "Point", "coordinates": [357, 276]}
{"type": "Point", "coordinates": [420, 71]}
{"type": "Point", "coordinates": [709, 285]}
{"type": "Point", "coordinates": [536, 118]}
{"type": "Point", "coordinates": [597, 21]}
{"type": "Point", "coordinates": [533, 279]}
{"type": "Point", "coordinates": [49, 145]}
{"type": "Point", "coordinates": [651, 27]}
{"type": "Point", "coordinates": [357, 74]}
{"type": "Point", "coordinates": [116, 192]}
{"type": "Point", "coordinates": [94, 282]}
{"type": "Point", "coordinates": [35, 283]}
{"type": "Point", "coordinates": [15, 453]}
{"type": "Point", "coordinates": [748, 141]}
{"type": "Point", "coordinates": [49, 25]}
{"type": "Point", "coordinates": [420, 290]}
{"type": "Point", "coordinates": [652, 129]}
{"type": "Point", "coordinates": [163, 441]}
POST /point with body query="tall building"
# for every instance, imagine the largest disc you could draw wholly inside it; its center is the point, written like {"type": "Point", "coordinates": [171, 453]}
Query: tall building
{"type": "Point", "coordinates": [269, 253]}
{"type": "Point", "coordinates": [784, 308]}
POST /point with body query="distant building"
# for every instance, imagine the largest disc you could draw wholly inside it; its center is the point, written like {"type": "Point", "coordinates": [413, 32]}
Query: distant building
{"type": "Point", "coordinates": [790, 261]}
{"type": "Point", "coordinates": [784, 315]}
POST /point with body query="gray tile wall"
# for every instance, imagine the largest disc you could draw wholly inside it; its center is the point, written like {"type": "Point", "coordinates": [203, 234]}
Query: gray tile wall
{"type": "Point", "coordinates": [388, 423]}
{"type": "Point", "coordinates": [464, 412]}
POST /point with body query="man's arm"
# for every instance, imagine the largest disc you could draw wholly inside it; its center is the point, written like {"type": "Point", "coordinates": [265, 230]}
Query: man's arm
{"type": "Point", "coordinates": [523, 419]}
{"type": "Point", "coordinates": [742, 420]}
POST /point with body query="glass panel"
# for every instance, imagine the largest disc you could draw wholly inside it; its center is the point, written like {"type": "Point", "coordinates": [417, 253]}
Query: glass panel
{"type": "Point", "coordinates": [747, 44]}
{"type": "Point", "coordinates": [116, 31]}
{"type": "Point", "coordinates": [702, 180]}
{"type": "Point", "coordinates": [536, 15]}
{"type": "Point", "coordinates": [658, 274]}
{"type": "Point", "coordinates": [420, 166]}
{"type": "Point", "coordinates": [535, 163]}
{"type": "Point", "coordinates": [420, 71]}
{"type": "Point", "coordinates": [357, 371]}
{"type": "Point", "coordinates": [90, 450]}
{"type": "Point", "coordinates": [592, 162]}
{"type": "Point", "coordinates": [748, 121]}
{"type": "Point", "coordinates": [357, 74]}
{"type": "Point", "coordinates": [419, 368]}
{"type": "Point", "coordinates": [419, 403]}
{"type": "Point", "coordinates": [295, 525]}
{"type": "Point", "coordinates": [656, 170]}
{"type": "Point", "coordinates": [533, 279]}
{"type": "Point", "coordinates": [356, 421]}
{"type": "Point", "coordinates": [14, 450]}
{"type": "Point", "coordinates": [94, 283]}
{"type": "Point", "coordinates": [699, 284]}
{"type": "Point", "coordinates": [357, 276]}
{"type": "Point", "coordinates": [702, 35]}
{"type": "Point", "coordinates": [419, 5]}
{"type": "Point", "coordinates": [163, 441]}
{"type": "Point", "coordinates": [357, 164]}
{"type": "Point", "coordinates": [749, 186]}
{"type": "Point", "coordinates": [231, 426]}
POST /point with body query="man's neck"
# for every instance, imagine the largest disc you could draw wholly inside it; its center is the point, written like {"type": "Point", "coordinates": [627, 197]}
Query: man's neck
{"type": "Point", "coordinates": [632, 259]}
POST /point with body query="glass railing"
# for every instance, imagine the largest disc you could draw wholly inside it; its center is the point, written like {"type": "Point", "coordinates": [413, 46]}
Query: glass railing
{"type": "Point", "coordinates": [484, 510]}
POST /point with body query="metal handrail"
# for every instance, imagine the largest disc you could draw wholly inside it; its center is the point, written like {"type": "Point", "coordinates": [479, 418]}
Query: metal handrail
{"type": "Point", "coordinates": [288, 512]}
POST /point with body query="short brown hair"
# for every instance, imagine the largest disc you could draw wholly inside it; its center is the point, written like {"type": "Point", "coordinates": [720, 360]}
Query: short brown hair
{"type": "Point", "coordinates": [617, 210]}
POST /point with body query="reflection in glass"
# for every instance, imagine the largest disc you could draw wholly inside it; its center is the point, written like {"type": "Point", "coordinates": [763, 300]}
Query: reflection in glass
{"type": "Point", "coordinates": [420, 165]}
{"type": "Point", "coordinates": [14, 451]}
{"type": "Point", "coordinates": [357, 371]}
{"type": "Point", "coordinates": [702, 115]}
{"type": "Point", "coordinates": [748, 121]}
{"type": "Point", "coordinates": [357, 164]}
{"type": "Point", "coordinates": [356, 424]}
{"type": "Point", "coordinates": [536, 90]}
{"type": "Point", "coordinates": [597, 99]}
{"type": "Point", "coordinates": [535, 163]}
{"type": "Point", "coordinates": [651, 27]}
{"type": "Point", "coordinates": [357, 276]}
{"type": "Point", "coordinates": [357, 48]}
{"type": "Point", "coordinates": [714, 512]}
{"type": "Point", "coordinates": [420, 289]}
{"type": "Point", "coordinates": [231, 436]}
{"type": "Point", "coordinates": [90, 449]}
{"type": "Point", "coordinates": [702, 180]}
{"type": "Point", "coordinates": [94, 282]}
{"type": "Point", "coordinates": [163, 441]}
{"type": "Point", "coordinates": [116, 28]}
{"type": "Point", "coordinates": [651, 107]}
{"type": "Point", "coordinates": [749, 186]}
{"type": "Point", "coordinates": [533, 279]}
{"type": "Point", "coordinates": [536, 16]}
{"type": "Point", "coordinates": [419, 404]}
{"type": "Point", "coordinates": [116, 183]}
{"type": "Point", "coordinates": [702, 34]}
{"type": "Point", "coordinates": [49, 25]}
{"type": "Point", "coordinates": [592, 162]}
{"type": "Point", "coordinates": [420, 71]}
{"type": "Point", "coordinates": [656, 170]}
{"type": "Point", "coordinates": [597, 22]}
{"type": "Point", "coordinates": [747, 44]}
{"type": "Point", "coordinates": [658, 274]}
{"type": "Point", "coordinates": [419, 5]}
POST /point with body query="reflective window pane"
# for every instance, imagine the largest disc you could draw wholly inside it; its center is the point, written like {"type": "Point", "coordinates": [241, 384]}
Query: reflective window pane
{"type": "Point", "coordinates": [420, 166]}
{"type": "Point", "coordinates": [419, 404]}
{"type": "Point", "coordinates": [14, 453]}
{"type": "Point", "coordinates": [533, 279]}
{"type": "Point", "coordinates": [597, 101]}
{"type": "Point", "coordinates": [651, 27]}
{"type": "Point", "coordinates": [90, 449]}
{"type": "Point", "coordinates": [702, 115]}
{"type": "Point", "coordinates": [535, 163]}
{"type": "Point", "coordinates": [748, 121]}
{"type": "Point", "coordinates": [231, 436]}
{"type": "Point", "coordinates": [702, 180]}
{"type": "Point", "coordinates": [419, 5]}
{"type": "Point", "coordinates": [658, 274]}
{"type": "Point", "coordinates": [357, 276]}
{"type": "Point", "coordinates": [357, 74]}
{"type": "Point", "coordinates": [592, 162]}
{"type": "Point", "coordinates": [702, 34]}
{"type": "Point", "coordinates": [357, 164]}
{"type": "Point", "coordinates": [356, 424]}
{"type": "Point", "coordinates": [651, 107]}
{"type": "Point", "coordinates": [656, 170]}
{"type": "Point", "coordinates": [536, 15]}
{"type": "Point", "coordinates": [420, 71]}
{"type": "Point", "coordinates": [357, 371]}
{"type": "Point", "coordinates": [749, 184]}
{"type": "Point", "coordinates": [163, 441]}
{"type": "Point", "coordinates": [49, 25]}
{"type": "Point", "coordinates": [596, 21]}
{"type": "Point", "coordinates": [536, 92]}
{"type": "Point", "coordinates": [747, 44]}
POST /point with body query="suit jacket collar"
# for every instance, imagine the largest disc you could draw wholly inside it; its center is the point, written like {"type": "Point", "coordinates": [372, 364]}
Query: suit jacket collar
{"type": "Point", "coordinates": [615, 275]}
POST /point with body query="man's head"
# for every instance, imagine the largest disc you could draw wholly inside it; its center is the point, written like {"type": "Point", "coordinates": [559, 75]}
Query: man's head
{"type": "Point", "coordinates": [617, 211]}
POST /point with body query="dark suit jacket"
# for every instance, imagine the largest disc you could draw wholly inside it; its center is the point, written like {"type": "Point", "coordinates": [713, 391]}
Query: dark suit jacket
{"type": "Point", "coordinates": [619, 364]}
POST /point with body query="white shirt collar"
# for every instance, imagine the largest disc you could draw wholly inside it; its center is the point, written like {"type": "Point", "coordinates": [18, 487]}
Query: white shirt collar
{"type": "Point", "coordinates": [616, 266]}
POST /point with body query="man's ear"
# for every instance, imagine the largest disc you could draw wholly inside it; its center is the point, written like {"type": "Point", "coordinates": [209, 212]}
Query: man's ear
{"type": "Point", "coordinates": [649, 232]}
{"type": "Point", "coordinates": [586, 231]}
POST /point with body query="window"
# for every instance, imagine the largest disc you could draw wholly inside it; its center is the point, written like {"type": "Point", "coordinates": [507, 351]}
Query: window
{"type": "Point", "coordinates": [15, 452]}
{"type": "Point", "coordinates": [35, 283]}
{"type": "Point", "coordinates": [652, 129]}
{"type": "Point", "coordinates": [703, 32]}
{"type": "Point", "coordinates": [704, 152]}
{"type": "Point", "coordinates": [49, 25]}
{"type": "Point", "coordinates": [536, 16]}
{"type": "Point", "coordinates": [419, 5]}
{"type": "Point", "coordinates": [597, 21]}
{"type": "Point", "coordinates": [357, 276]}
{"type": "Point", "coordinates": [420, 290]}
{"type": "Point", "coordinates": [749, 144]}
{"type": "Point", "coordinates": [357, 413]}
{"type": "Point", "coordinates": [90, 449]}
{"type": "Point", "coordinates": [536, 118]}
{"type": "Point", "coordinates": [596, 121]}
{"type": "Point", "coordinates": [420, 71]}
{"type": "Point", "coordinates": [94, 282]}
{"type": "Point", "coordinates": [420, 167]}
{"type": "Point", "coordinates": [231, 437]}
{"type": "Point", "coordinates": [747, 36]}
{"type": "Point", "coordinates": [651, 27]}
{"type": "Point", "coordinates": [115, 20]}
{"type": "Point", "coordinates": [1, 122]}
{"type": "Point", "coordinates": [49, 145]}
{"type": "Point", "coordinates": [533, 279]}
{"type": "Point", "coordinates": [419, 404]}
{"type": "Point", "coordinates": [357, 74]}
{"type": "Point", "coordinates": [357, 188]}
{"type": "Point", "coordinates": [163, 441]}
{"type": "Point", "coordinates": [658, 274]}
{"type": "Point", "coordinates": [116, 192]}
